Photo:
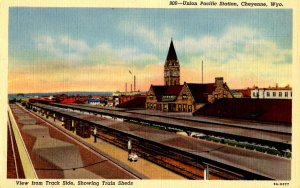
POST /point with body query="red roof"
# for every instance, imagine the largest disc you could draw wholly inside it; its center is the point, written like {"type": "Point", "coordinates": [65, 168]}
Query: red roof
{"type": "Point", "coordinates": [136, 102]}
{"type": "Point", "coordinates": [245, 92]}
{"type": "Point", "coordinates": [201, 91]}
{"type": "Point", "coordinates": [166, 91]}
{"type": "Point", "coordinates": [275, 88]}
{"type": "Point", "coordinates": [198, 91]}
{"type": "Point", "coordinates": [41, 100]}
{"type": "Point", "coordinates": [68, 101]}
{"type": "Point", "coordinates": [271, 110]}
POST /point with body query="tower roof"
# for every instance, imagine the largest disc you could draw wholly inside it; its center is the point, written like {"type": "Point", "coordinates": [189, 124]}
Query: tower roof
{"type": "Point", "coordinates": [172, 53]}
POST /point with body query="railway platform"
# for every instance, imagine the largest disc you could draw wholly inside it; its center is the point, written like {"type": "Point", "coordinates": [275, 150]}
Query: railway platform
{"type": "Point", "coordinates": [164, 146]}
{"type": "Point", "coordinates": [51, 153]}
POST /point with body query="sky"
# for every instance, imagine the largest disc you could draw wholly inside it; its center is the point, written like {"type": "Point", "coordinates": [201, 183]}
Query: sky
{"type": "Point", "coordinates": [93, 49]}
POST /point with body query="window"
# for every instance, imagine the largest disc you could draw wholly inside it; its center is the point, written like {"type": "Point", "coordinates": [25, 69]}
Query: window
{"type": "Point", "coordinates": [151, 97]}
{"type": "Point", "coordinates": [184, 97]}
{"type": "Point", "coordinates": [268, 94]}
{"type": "Point", "coordinates": [254, 94]}
{"type": "Point", "coordinates": [286, 94]}
{"type": "Point", "coordinates": [179, 107]}
{"type": "Point", "coordinates": [189, 108]}
{"type": "Point", "coordinates": [184, 107]}
{"type": "Point", "coordinates": [291, 94]}
{"type": "Point", "coordinates": [280, 94]}
{"type": "Point", "coordinates": [274, 94]}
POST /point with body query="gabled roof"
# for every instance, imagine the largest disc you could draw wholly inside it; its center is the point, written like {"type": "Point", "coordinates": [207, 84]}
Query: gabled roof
{"type": "Point", "coordinates": [166, 90]}
{"type": "Point", "coordinates": [171, 53]}
{"type": "Point", "coordinates": [201, 91]}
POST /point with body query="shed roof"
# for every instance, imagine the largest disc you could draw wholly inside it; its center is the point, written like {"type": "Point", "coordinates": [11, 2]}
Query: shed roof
{"type": "Point", "coordinates": [271, 110]}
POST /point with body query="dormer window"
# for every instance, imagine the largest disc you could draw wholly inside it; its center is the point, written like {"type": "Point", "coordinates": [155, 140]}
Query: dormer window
{"type": "Point", "coordinates": [151, 97]}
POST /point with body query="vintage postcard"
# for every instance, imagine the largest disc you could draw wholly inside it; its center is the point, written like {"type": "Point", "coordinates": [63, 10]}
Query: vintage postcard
{"type": "Point", "coordinates": [148, 94]}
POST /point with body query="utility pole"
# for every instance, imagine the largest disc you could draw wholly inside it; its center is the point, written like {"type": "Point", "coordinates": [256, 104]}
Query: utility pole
{"type": "Point", "coordinates": [134, 83]}
{"type": "Point", "coordinates": [202, 71]}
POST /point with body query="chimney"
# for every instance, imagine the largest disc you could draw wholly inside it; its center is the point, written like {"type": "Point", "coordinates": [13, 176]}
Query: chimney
{"type": "Point", "coordinates": [276, 85]}
{"type": "Point", "coordinates": [134, 83]}
{"type": "Point", "coordinates": [219, 81]}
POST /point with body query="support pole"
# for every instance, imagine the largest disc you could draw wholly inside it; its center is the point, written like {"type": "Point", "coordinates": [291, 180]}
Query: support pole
{"type": "Point", "coordinates": [95, 133]}
{"type": "Point", "coordinates": [206, 172]}
{"type": "Point", "coordinates": [129, 146]}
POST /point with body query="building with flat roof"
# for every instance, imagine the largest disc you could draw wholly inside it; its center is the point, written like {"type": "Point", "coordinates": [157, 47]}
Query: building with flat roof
{"type": "Point", "coordinates": [272, 92]}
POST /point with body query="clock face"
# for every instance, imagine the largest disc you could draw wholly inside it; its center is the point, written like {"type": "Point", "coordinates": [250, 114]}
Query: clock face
{"type": "Point", "coordinates": [175, 73]}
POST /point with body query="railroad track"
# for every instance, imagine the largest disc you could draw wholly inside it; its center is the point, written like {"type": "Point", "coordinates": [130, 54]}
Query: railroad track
{"type": "Point", "coordinates": [265, 136]}
{"type": "Point", "coordinates": [248, 126]}
{"type": "Point", "coordinates": [227, 167]}
{"type": "Point", "coordinates": [173, 161]}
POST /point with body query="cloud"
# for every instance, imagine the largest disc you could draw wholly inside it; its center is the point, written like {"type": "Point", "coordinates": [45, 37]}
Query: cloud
{"type": "Point", "coordinates": [101, 68]}
{"type": "Point", "coordinates": [68, 49]}
{"type": "Point", "coordinates": [89, 77]}
{"type": "Point", "coordinates": [241, 55]}
{"type": "Point", "coordinates": [62, 47]}
{"type": "Point", "coordinates": [158, 37]}
{"type": "Point", "coordinates": [105, 53]}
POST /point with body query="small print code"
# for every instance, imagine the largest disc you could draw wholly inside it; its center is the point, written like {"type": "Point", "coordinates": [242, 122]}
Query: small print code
{"type": "Point", "coordinates": [281, 184]}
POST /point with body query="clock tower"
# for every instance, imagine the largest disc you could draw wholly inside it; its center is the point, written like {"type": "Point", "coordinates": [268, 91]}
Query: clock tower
{"type": "Point", "coordinates": [172, 67]}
